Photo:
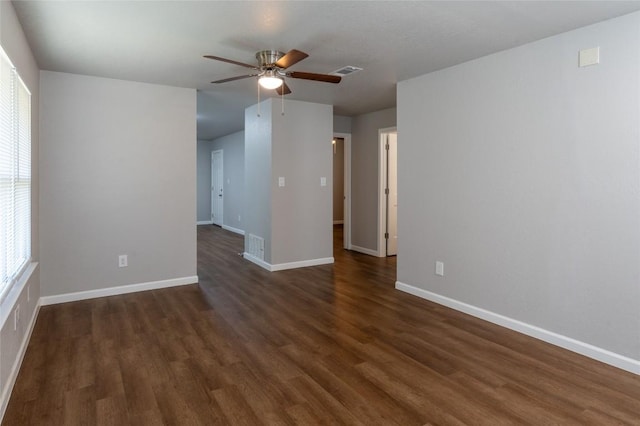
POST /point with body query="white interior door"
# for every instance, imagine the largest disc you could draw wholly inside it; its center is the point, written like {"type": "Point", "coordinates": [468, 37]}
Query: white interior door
{"type": "Point", "coordinates": [392, 196]}
{"type": "Point", "coordinates": [217, 181]}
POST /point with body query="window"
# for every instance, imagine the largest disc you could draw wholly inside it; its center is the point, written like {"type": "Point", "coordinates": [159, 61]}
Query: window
{"type": "Point", "coordinates": [15, 175]}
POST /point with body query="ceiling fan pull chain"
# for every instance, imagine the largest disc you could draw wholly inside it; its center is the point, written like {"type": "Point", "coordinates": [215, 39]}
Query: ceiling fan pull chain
{"type": "Point", "coordinates": [258, 99]}
{"type": "Point", "coordinates": [282, 102]}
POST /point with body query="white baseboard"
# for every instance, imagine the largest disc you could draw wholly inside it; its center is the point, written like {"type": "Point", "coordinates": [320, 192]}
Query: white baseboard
{"type": "Point", "coordinates": [302, 264]}
{"type": "Point", "coordinates": [15, 369]}
{"type": "Point", "coordinates": [204, 222]}
{"type": "Point", "coordinates": [261, 263]}
{"type": "Point", "coordinates": [291, 265]}
{"type": "Point", "coordinates": [338, 222]}
{"type": "Point", "coordinates": [586, 349]}
{"type": "Point", "coordinates": [364, 250]}
{"type": "Point", "coordinates": [232, 229]}
{"type": "Point", "coordinates": [113, 291]}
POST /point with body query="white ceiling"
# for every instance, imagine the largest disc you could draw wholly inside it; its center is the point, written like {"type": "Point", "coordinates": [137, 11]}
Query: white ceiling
{"type": "Point", "coordinates": [163, 42]}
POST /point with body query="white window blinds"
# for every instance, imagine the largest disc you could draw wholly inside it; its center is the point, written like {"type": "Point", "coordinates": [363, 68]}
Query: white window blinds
{"type": "Point", "coordinates": [15, 175]}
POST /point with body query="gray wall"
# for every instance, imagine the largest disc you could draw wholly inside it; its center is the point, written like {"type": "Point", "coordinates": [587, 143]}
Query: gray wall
{"type": "Point", "coordinates": [295, 220]}
{"type": "Point", "coordinates": [302, 224]}
{"type": "Point", "coordinates": [15, 45]}
{"type": "Point", "coordinates": [341, 124]}
{"type": "Point", "coordinates": [257, 175]}
{"type": "Point", "coordinates": [204, 181]}
{"type": "Point", "coordinates": [364, 175]}
{"type": "Point", "coordinates": [233, 148]}
{"type": "Point", "coordinates": [520, 172]}
{"type": "Point", "coordinates": [117, 177]}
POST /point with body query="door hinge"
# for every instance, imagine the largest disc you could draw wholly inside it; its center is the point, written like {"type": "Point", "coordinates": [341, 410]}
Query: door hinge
{"type": "Point", "coordinates": [386, 235]}
{"type": "Point", "coordinates": [386, 191]}
{"type": "Point", "coordinates": [386, 147]}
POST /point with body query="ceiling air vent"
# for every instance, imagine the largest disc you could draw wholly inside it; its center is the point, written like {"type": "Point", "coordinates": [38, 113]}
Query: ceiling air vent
{"type": "Point", "coordinates": [346, 71]}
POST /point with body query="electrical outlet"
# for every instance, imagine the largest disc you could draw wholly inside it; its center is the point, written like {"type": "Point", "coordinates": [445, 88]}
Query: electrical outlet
{"type": "Point", "coordinates": [16, 317]}
{"type": "Point", "coordinates": [239, 218]}
{"type": "Point", "coordinates": [440, 269]}
{"type": "Point", "coordinates": [123, 261]}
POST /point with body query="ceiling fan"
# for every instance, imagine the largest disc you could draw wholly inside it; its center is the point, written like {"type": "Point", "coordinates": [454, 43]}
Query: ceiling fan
{"type": "Point", "coordinates": [271, 70]}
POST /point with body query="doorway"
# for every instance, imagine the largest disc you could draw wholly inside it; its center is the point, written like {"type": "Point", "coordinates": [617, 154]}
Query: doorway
{"type": "Point", "coordinates": [217, 183]}
{"type": "Point", "coordinates": [338, 180]}
{"type": "Point", "coordinates": [342, 160]}
{"type": "Point", "coordinates": [388, 193]}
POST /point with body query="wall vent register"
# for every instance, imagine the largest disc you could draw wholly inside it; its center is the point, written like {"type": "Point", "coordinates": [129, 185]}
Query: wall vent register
{"type": "Point", "coordinates": [255, 246]}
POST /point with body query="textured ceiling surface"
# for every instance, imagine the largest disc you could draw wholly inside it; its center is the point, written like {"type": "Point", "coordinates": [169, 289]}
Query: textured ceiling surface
{"type": "Point", "coordinates": [163, 42]}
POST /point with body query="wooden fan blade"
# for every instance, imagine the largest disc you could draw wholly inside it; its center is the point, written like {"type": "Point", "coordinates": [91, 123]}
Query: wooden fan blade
{"type": "Point", "coordinates": [240, 77]}
{"type": "Point", "coordinates": [284, 88]}
{"type": "Point", "coordinates": [316, 77]}
{"type": "Point", "coordinates": [291, 57]}
{"type": "Point", "coordinates": [230, 61]}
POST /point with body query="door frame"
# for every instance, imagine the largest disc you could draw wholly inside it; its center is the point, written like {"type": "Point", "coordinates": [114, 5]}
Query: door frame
{"type": "Point", "coordinates": [347, 189]}
{"type": "Point", "coordinates": [382, 179]}
{"type": "Point", "coordinates": [222, 185]}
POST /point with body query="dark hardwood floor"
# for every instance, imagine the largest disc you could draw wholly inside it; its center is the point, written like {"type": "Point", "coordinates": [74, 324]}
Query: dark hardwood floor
{"type": "Point", "coordinates": [332, 344]}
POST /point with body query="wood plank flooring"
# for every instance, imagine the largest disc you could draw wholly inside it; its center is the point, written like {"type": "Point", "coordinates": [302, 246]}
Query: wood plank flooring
{"type": "Point", "coordinates": [333, 344]}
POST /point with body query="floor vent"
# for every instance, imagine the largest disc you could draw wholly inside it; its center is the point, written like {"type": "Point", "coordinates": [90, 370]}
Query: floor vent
{"type": "Point", "coordinates": [256, 246]}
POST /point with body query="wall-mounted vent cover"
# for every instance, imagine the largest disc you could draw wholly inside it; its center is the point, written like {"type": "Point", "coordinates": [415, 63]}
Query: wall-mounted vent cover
{"type": "Point", "coordinates": [346, 70]}
{"type": "Point", "coordinates": [256, 246]}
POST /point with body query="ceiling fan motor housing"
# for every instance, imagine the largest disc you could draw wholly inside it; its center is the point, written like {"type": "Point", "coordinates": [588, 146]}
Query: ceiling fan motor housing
{"type": "Point", "coordinates": [268, 58]}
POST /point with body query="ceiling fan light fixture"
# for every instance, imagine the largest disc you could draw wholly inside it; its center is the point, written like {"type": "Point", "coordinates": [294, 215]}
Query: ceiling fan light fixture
{"type": "Point", "coordinates": [270, 80]}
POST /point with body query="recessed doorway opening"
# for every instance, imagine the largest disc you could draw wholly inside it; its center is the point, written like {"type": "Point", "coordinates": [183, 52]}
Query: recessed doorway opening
{"type": "Point", "coordinates": [341, 145]}
{"type": "Point", "coordinates": [388, 193]}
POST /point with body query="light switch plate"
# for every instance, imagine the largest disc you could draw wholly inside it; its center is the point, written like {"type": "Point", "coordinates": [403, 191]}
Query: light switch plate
{"type": "Point", "coordinates": [323, 181]}
{"type": "Point", "coordinates": [281, 181]}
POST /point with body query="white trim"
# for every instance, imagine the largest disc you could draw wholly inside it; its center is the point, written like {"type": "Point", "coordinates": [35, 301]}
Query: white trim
{"type": "Point", "coordinates": [15, 369]}
{"type": "Point", "coordinates": [302, 264]}
{"type": "Point", "coordinates": [290, 265]}
{"type": "Point", "coordinates": [12, 296]}
{"type": "Point", "coordinates": [7, 308]}
{"type": "Point", "coordinates": [204, 222]}
{"type": "Point", "coordinates": [113, 291]}
{"type": "Point", "coordinates": [338, 222]}
{"type": "Point", "coordinates": [586, 349]}
{"type": "Point", "coordinates": [261, 263]}
{"type": "Point", "coordinates": [232, 229]}
{"type": "Point", "coordinates": [364, 250]}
